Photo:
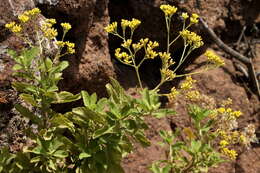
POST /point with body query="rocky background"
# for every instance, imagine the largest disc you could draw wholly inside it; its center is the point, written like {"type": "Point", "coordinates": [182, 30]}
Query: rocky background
{"type": "Point", "coordinates": [93, 63]}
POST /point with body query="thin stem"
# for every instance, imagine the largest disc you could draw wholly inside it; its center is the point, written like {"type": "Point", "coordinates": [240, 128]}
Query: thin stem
{"type": "Point", "coordinates": [168, 23]}
{"type": "Point", "coordinates": [182, 56]}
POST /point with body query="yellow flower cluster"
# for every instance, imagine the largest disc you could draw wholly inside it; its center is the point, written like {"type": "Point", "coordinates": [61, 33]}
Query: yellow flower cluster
{"type": "Point", "coordinates": [66, 26]}
{"type": "Point", "coordinates": [214, 59]}
{"type": "Point", "coordinates": [150, 53]}
{"type": "Point", "coordinates": [33, 12]}
{"type": "Point", "coordinates": [47, 29]}
{"type": "Point", "coordinates": [70, 46]}
{"type": "Point", "coordinates": [188, 83]}
{"type": "Point", "coordinates": [169, 75]}
{"type": "Point", "coordinates": [15, 28]}
{"type": "Point", "coordinates": [194, 18]}
{"type": "Point", "coordinates": [168, 10]}
{"type": "Point", "coordinates": [137, 46]}
{"type": "Point", "coordinates": [193, 95]}
{"type": "Point", "coordinates": [123, 56]}
{"type": "Point", "coordinates": [223, 143]}
{"type": "Point", "coordinates": [165, 55]}
{"type": "Point", "coordinates": [232, 154]}
{"type": "Point", "coordinates": [185, 16]}
{"type": "Point", "coordinates": [194, 40]}
{"type": "Point", "coordinates": [132, 24]}
{"type": "Point", "coordinates": [23, 18]}
{"type": "Point", "coordinates": [229, 112]}
{"type": "Point", "coordinates": [27, 15]}
{"type": "Point", "coordinates": [127, 43]}
{"type": "Point", "coordinates": [112, 28]}
{"type": "Point", "coordinates": [172, 95]}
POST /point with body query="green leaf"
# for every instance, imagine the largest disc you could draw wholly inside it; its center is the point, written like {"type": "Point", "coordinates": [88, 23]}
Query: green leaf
{"type": "Point", "coordinates": [24, 87]}
{"type": "Point", "coordinates": [62, 122]}
{"type": "Point", "coordinates": [48, 63]}
{"type": "Point", "coordinates": [87, 114]}
{"type": "Point", "coordinates": [29, 54]}
{"type": "Point", "coordinates": [60, 67]}
{"type": "Point", "coordinates": [29, 99]}
{"type": "Point", "coordinates": [140, 137]}
{"type": "Point", "coordinates": [63, 97]}
{"type": "Point", "coordinates": [84, 155]}
{"type": "Point", "coordinates": [35, 159]}
{"type": "Point", "coordinates": [28, 114]}
{"type": "Point", "coordinates": [60, 154]}
{"type": "Point", "coordinates": [103, 131]}
{"type": "Point", "coordinates": [17, 67]}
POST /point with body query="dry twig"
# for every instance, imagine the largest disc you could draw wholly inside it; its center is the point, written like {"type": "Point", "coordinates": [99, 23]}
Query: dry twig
{"type": "Point", "coordinates": [247, 61]}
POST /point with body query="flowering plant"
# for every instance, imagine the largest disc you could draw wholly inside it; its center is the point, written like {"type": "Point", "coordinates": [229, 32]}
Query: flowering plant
{"type": "Point", "coordinates": [97, 135]}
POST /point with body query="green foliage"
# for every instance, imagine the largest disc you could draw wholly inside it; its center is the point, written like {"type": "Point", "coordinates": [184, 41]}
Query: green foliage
{"type": "Point", "coordinates": [195, 153]}
{"type": "Point", "coordinates": [92, 138]}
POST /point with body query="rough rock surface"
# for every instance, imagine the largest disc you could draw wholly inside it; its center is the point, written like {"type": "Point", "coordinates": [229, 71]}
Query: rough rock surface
{"type": "Point", "coordinates": [91, 67]}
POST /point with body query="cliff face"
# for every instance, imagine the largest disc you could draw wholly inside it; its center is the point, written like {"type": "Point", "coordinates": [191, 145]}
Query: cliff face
{"type": "Point", "coordinates": [91, 66]}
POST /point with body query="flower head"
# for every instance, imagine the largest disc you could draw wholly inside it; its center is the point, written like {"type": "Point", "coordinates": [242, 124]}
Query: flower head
{"type": "Point", "coordinates": [23, 18]}
{"type": "Point", "coordinates": [185, 16]}
{"type": "Point", "coordinates": [214, 59]}
{"type": "Point", "coordinates": [168, 10]}
{"type": "Point", "coordinates": [187, 84]}
{"type": "Point", "coordinates": [194, 18]}
{"type": "Point", "coordinates": [66, 26]}
{"type": "Point", "coordinates": [134, 23]}
{"type": "Point", "coordinates": [112, 28]}
{"type": "Point", "coordinates": [192, 39]}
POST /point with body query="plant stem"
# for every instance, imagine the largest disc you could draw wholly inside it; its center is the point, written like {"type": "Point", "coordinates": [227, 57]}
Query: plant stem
{"type": "Point", "coordinates": [138, 76]}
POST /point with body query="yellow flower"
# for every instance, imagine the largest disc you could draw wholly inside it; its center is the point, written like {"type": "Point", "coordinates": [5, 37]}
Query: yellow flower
{"type": "Point", "coordinates": [66, 26]}
{"type": "Point", "coordinates": [60, 43]}
{"type": "Point", "coordinates": [243, 139]}
{"type": "Point", "coordinates": [112, 28]}
{"type": "Point", "coordinates": [34, 11]}
{"type": "Point", "coordinates": [171, 96]}
{"type": "Point", "coordinates": [51, 21]}
{"type": "Point", "coordinates": [10, 25]}
{"type": "Point", "coordinates": [16, 28]}
{"type": "Point", "coordinates": [187, 84]}
{"type": "Point", "coordinates": [137, 46]}
{"type": "Point", "coordinates": [194, 18]}
{"type": "Point", "coordinates": [169, 75]}
{"type": "Point", "coordinates": [185, 16]}
{"type": "Point", "coordinates": [127, 43]}
{"type": "Point", "coordinates": [134, 23]}
{"type": "Point", "coordinates": [70, 47]}
{"type": "Point", "coordinates": [232, 154]}
{"type": "Point", "coordinates": [223, 143]}
{"type": "Point", "coordinates": [194, 40]}
{"type": "Point", "coordinates": [153, 45]}
{"type": "Point", "coordinates": [165, 55]}
{"type": "Point", "coordinates": [23, 18]}
{"type": "Point", "coordinates": [221, 110]}
{"type": "Point", "coordinates": [193, 95]}
{"type": "Point", "coordinates": [214, 59]}
{"type": "Point", "coordinates": [236, 114]}
{"type": "Point", "coordinates": [124, 23]}
{"type": "Point", "coordinates": [168, 10]}
{"type": "Point", "coordinates": [123, 56]}
{"type": "Point", "coordinates": [50, 33]}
